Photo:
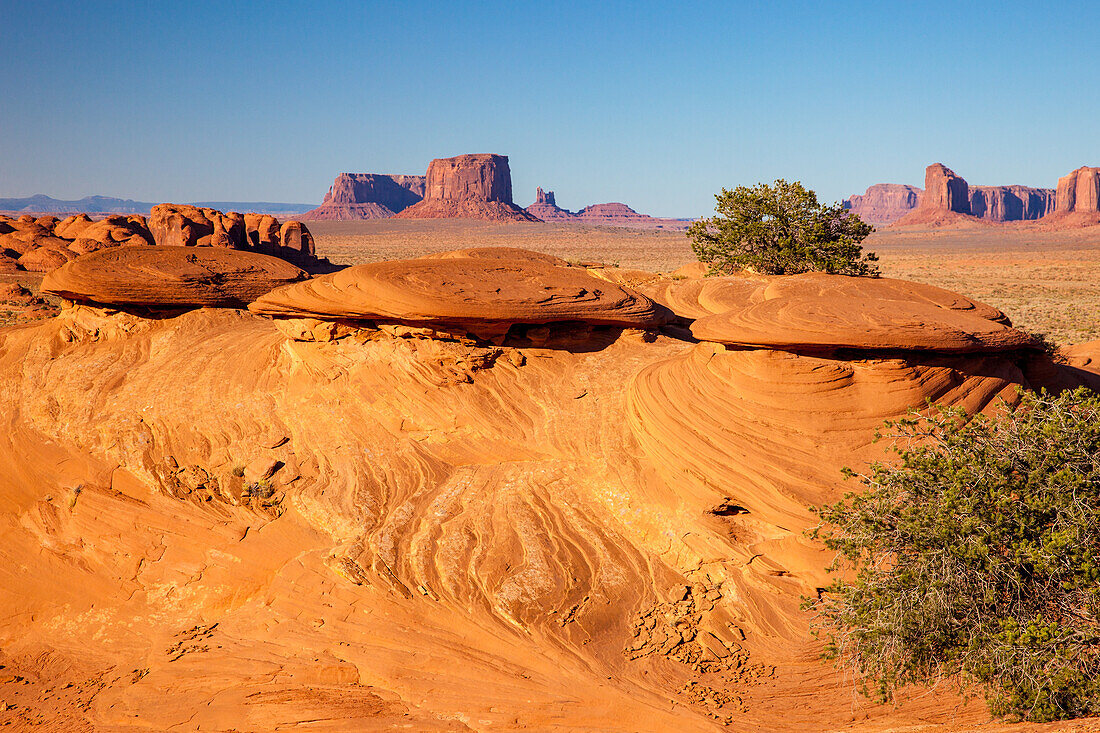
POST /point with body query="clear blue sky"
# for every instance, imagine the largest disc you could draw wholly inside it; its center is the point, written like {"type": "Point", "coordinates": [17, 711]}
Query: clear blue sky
{"type": "Point", "coordinates": [655, 104]}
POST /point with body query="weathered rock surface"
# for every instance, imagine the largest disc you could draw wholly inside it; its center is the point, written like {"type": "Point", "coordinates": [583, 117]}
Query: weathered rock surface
{"type": "Point", "coordinates": [181, 225]}
{"type": "Point", "coordinates": [170, 276]}
{"type": "Point", "coordinates": [481, 295]}
{"type": "Point", "coordinates": [547, 209]}
{"type": "Point", "coordinates": [208, 526]}
{"type": "Point", "coordinates": [801, 323]}
{"type": "Point", "coordinates": [368, 196]}
{"type": "Point", "coordinates": [45, 258]}
{"type": "Point", "coordinates": [944, 190]}
{"type": "Point", "coordinates": [884, 203]}
{"type": "Point", "coordinates": [475, 186]}
{"type": "Point", "coordinates": [1011, 203]}
{"type": "Point", "coordinates": [1079, 191]}
{"type": "Point", "coordinates": [498, 253]}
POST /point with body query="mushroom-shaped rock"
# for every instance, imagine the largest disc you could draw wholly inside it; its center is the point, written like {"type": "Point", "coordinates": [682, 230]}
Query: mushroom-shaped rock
{"type": "Point", "coordinates": [170, 276]}
{"type": "Point", "coordinates": [498, 253]}
{"type": "Point", "coordinates": [484, 296]}
{"type": "Point", "coordinates": [819, 284]}
{"type": "Point", "coordinates": [831, 322]}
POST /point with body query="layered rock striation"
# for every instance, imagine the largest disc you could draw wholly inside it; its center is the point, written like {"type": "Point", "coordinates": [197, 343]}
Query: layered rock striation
{"type": "Point", "coordinates": [948, 198]}
{"type": "Point", "coordinates": [1079, 191]}
{"type": "Point", "coordinates": [368, 196]}
{"type": "Point", "coordinates": [482, 295]}
{"type": "Point", "coordinates": [884, 203]}
{"type": "Point", "coordinates": [209, 525]}
{"type": "Point", "coordinates": [170, 276]}
{"type": "Point", "coordinates": [475, 186]}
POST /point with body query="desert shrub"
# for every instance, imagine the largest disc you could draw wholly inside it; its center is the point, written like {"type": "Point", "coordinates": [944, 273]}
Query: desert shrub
{"type": "Point", "coordinates": [261, 490]}
{"type": "Point", "coordinates": [781, 229]}
{"type": "Point", "coordinates": [977, 557]}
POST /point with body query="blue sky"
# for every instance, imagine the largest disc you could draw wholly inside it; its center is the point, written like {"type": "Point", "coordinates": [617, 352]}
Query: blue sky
{"type": "Point", "coordinates": [654, 104]}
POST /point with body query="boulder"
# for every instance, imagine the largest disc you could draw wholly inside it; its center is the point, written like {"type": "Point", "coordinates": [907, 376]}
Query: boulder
{"type": "Point", "coordinates": [45, 259]}
{"type": "Point", "coordinates": [296, 241]}
{"type": "Point", "coordinates": [262, 231]}
{"type": "Point", "coordinates": [884, 203]}
{"type": "Point", "coordinates": [70, 227]}
{"type": "Point", "coordinates": [368, 196]}
{"type": "Point", "coordinates": [824, 323]}
{"type": "Point", "coordinates": [477, 295]}
{"type": "Point", "coordinates": [840, 287]}
{"type": "Point", "coordinates": [181, 225]}
{"type": "Point", "coordinates": [477, 186]}
{"type": "Point", "coordinates": [170, 276]}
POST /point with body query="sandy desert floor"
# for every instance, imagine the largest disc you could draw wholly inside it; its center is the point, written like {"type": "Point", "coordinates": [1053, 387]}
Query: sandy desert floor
{"type": "Point", "coordinates": [1045, 281]}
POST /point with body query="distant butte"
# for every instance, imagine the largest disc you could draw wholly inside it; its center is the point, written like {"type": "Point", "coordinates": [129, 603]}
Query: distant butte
{"type": "Point", "coordinates": [611, 214]}
{"type": "Point", "coordinates": [948, 199]}
{"type": "Point", "coordinates": [368, 196]}
{"type": "Point", "coordinates": [474, 186]}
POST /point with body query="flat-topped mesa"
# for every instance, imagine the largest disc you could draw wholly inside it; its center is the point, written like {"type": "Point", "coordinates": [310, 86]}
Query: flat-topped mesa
{"type": "Point", "coordinates": [884, 203]}
{"type": "Point", "coordinates": [1010, 203]}
{"type": "Point", "coordinates": [474, 186]}
{"type": "Point", "coordinates": [1079, 192]}
{"type": "Point", "coordinates": [463, 295]}
{"type": "Point", "coordinates": [368, 196]}
{"type": "Point", "coordinates": [171, 277]}
{"type": "Point", "coordinates": [829, 312]}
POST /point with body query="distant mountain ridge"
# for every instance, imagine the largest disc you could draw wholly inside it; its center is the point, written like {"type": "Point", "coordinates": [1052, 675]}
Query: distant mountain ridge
{"type": "Point", "coordinates": [43, 204]}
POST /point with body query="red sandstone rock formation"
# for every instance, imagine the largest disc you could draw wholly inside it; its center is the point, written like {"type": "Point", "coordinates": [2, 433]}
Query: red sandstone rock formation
{"type": "Point", "coordinates": [884, 203]}
{"type": "Point", "coordinates": [368, 196]}
{"type": "Point", "coordinates": [170, 276]}
{"type": "Point", "coordinates": [477, 186]}
{"type": "Point", "coordinates": [1079, 191]}
{"type": "Point", "coordinates": [1010, 203]}
{"type": "Point", "coordinates": [46, 243]}
{"type": "Point", "coordinates": [547, 209]}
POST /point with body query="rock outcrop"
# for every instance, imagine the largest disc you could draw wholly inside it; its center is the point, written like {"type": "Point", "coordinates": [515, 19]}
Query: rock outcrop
{"type": "Point", "coordinates": [484, 296]}
{"type": "Point", "coordinates": [947, 198]}
{"type": "Point", "coordinates": [884, 203]}
{"type": "Point", "coordinates": [475, 186]}
{"type": "Point", "coordinates": [45, 243]}
{"type": "Point", "coordinates": [944, 190]}
{"type": "Point", "coordinates": [547, 209]}
{"type": "Point", "coordinates": [209, 526]}
{"type": "Point", "coordinates": [1010, 203]}
{"type": "Point", "coordinates": [170, 276]}
{"type": "Point", "coordinates": [368, 196]}
{"type": "Point", "coordinates": [1079, 191]}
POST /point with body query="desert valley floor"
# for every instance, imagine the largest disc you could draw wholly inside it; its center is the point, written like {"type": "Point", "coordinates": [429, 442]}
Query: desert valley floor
{"type": "Point", "coordinates": [595, 529]}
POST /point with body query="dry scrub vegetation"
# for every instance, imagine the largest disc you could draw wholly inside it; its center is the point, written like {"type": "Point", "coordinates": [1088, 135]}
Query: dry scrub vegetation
{"type": "Point", "coordinates": [1047, 282]}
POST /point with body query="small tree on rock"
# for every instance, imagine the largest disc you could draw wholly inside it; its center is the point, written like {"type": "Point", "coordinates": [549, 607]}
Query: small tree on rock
{"type": "Point", "coordinates": [781, 229]}
{"type": "Point", "coordinates": [978, 557]}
